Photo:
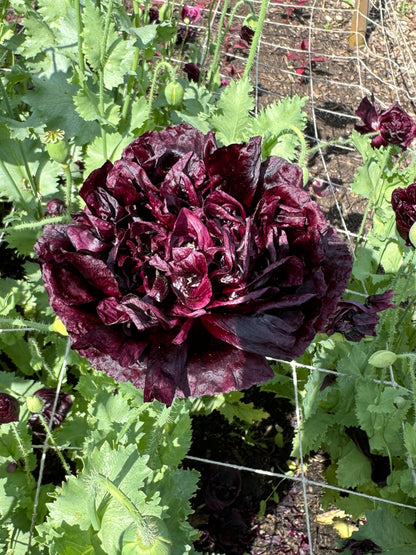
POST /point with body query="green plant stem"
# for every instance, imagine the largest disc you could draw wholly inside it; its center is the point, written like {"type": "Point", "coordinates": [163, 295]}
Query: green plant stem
{"type": "Point", "coordinates": [256, 37]}
{"type": "Point", "coordinates": [81, 63]}
{"type": "Point", "coordinates": [159, 66]}
{"type": "Point", "coordinates": [13, 322]}
{"type": "Point", "coordinates": [133, 67]}
{"type": "Point", "coordinates": [101, 85]}
{"type": "Point", "coordinates": [23, 452]}
{"type": "Point", "coordinates": [375, 196]}
{"type": "Point", "coordinates": [220, 36]}
{"type": "Point", "coordinates": [36, 224]}
{"type": "Point", "coordinates": [53, 443]}
{"type": "Point", "coordinates": [68, 188]}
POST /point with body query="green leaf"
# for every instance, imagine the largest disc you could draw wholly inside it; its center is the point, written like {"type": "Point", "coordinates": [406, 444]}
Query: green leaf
{"type": "Point", "coordinates": [52, 101]}
{"type": "Point", "coordinates": [232, 122]}
{"type": "Point", "coordinates": [385, 530]}
{"type": "Point", "coordinates": [353, 468]}
{"type": "Point", "coordinates": [275, 123]}
{"type": "Point", "coordinates": [93, 32]}
{"type": "Point", "coordinates": [144, 35]}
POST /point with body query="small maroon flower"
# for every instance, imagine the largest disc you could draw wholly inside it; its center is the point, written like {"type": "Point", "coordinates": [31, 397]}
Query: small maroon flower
{"type": "Point", "coordinates": [185, 35]}
{"type": "Point", "coordinates": [355, 320]}
{"type": "Point", "coordinates": [55, 207]}
{"type": "Point", "coordinates": [190, 14]}
{"type": "Point", "coordinates": [154, 15]}
{"type": "Point", "coordinates": [9, 408]}
{"type": "Point", "coordinates": [224, 82]}
{"type": "Point", "coordinates": [193, 71]}
{"type": "Point", "coordinates": [247, 34]}
{"type": "Point", "coordinates": [403, 202]}
{"type": "Point", "coordinates": [396, 127]}
{"type": "Point", "coordinates": [63, 406]}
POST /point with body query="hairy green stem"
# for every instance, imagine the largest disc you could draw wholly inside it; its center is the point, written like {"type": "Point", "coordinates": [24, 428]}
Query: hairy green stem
{"type": "Point", "coordinates": [24, 324]}
{"type": "Point", "coordinates": [81, 63]}
{"type": "Point", "coordinates": [220, 36]}
{"type": "Point", "coordinates": [374, 197]}
{"type": "Point", "coordinates": [36, 224]}
{"type": "Point", "coordinates": [159, 66]}
{"type": "Point", "coordinates": [53, 443]}
{"type": "Point", "coordinates": [133, 67]}
{"type": "Point", "coordinates": [256, 37]}
{"type": "Point", "coordinates": [24, 454]}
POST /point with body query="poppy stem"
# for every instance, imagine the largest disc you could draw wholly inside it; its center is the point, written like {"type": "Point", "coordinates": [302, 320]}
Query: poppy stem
{"type": "Point", "coordinates": [256, 37]}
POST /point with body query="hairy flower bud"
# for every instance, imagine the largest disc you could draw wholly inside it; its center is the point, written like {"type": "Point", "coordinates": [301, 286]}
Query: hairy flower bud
{"type": "Point", "coordinates": [174, 93]}
{"type": "Point", "coordinates": [9, 408]}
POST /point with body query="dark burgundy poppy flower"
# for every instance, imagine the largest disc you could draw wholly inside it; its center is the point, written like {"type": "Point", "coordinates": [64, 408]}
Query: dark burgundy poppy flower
{"type": "Point", "coordinates": [190, 14]}
{"type": "Point", "coordinates": [193, 71]}
{"type": "Point", "coordinates": [185, 35]}
{"type": "Point", "coordinates": [395, 125]}
{"type": "Point", "coordinates": [63, 406]}
{"type": "Point", "coordinates": [247, 34]}
{"type": "Point", "coordinates": [403, 202]}
{"type": "Point", "coordinates": [355, 320]}
{"type": "Point", "coordinates": [191, 263]}
{"type": "Point", "coordinates": [9, 408]}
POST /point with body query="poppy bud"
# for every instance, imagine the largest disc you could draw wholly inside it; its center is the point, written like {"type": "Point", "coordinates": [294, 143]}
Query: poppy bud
{"type": "Point", "coordinates": [174, 93]}
{"type": "Point", "coordinates": [383, 358]}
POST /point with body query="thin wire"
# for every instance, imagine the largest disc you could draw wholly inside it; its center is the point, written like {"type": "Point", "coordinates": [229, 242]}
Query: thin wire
{"type": "Point", "coordinates": [297, 479]}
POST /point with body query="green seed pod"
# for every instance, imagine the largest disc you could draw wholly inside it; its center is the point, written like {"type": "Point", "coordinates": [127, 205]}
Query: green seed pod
{"type": "Point", "coordinates": [158, 544]}
{"type": "Point", "coordinates": [412, 234]}
{"type": "Point", "coordinates": [174, 93]}
{"type": "Point", "coordinates": [56, 145]}
{"type": "Point", "coordinates": [34, 404]}
{"type": "Point", "coordinates": [381, 359]}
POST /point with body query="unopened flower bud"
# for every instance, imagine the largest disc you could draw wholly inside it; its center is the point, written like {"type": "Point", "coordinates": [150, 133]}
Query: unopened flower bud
{"type": "Point", "coordinates": [383, 358]}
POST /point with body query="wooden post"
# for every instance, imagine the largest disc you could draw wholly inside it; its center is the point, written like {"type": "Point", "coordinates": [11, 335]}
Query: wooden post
{"type": "Point", "coordinates": [359, 23]}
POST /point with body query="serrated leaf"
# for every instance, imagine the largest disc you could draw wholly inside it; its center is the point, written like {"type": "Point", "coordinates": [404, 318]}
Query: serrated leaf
{"type": "Point", "coordinates": [277, 121]}
{"type": "Point", "coordinates": [52, 101]}
{"type": "Point", "coordinates": [353, 468]}
{"type": "Point", "coordinates": [95, 154]}
{"type": "Point", "coordinates": [232, 122]}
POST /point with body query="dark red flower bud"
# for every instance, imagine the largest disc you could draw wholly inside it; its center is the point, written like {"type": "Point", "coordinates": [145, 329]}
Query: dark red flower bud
{"type": "Point", "coordinates": [9, 408]}
{"type": "Point", "coordinates": [247, 34]}
{"type": "Point", "coordinates": [184, 35]}
{"type": "Point", "coordinates": [403, 202]}
{"type": "Point", "coordinates": [192, 71]}
{"type": "Point", "coordinates": [395, 125]}
{"type": "Point", "coordinates": [63, 406]}
{"type": "Point", "coordinates": [154, 15]}
{"type": "Point", "coordinates": [55, 207]}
